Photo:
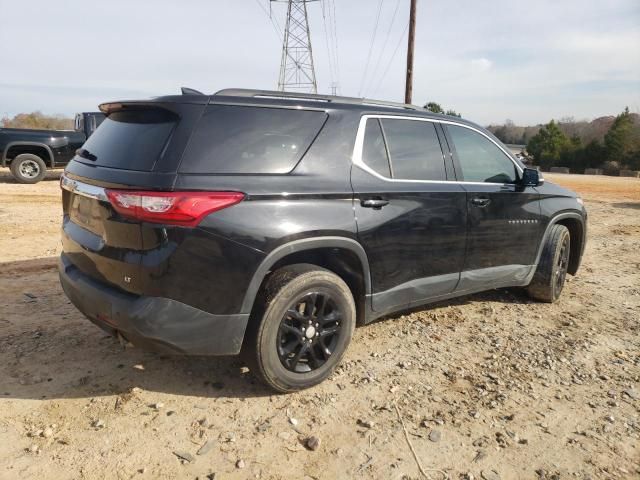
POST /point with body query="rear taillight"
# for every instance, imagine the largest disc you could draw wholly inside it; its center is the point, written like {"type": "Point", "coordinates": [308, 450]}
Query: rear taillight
{"type": "Point", "coordinates": [174, 208]}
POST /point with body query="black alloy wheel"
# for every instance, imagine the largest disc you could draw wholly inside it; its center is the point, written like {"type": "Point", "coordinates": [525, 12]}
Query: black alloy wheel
{"type": "Point", "coordinates": [551, 273]}
{"type": "Point", "coordinates": [309, 332]}
{"type": "Point", "coordinates": [300, 328]}
{"type": "Point", "coordinates": [562, 264]}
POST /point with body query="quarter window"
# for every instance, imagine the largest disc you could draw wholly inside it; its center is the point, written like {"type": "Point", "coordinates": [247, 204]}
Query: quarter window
{"type": "Point", "coordinates": [480, 159]}
{"type": "Point", "coordinates": [250, 140]}
{"type": "Point", "coordinates": [414, 149]}
{"type": "Point", "coordinates": [374, 150]}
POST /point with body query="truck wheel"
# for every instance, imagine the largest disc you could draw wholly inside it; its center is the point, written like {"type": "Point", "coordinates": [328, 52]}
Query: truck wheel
{"type": "Point", "coordinates": [28, 168]}
{"type": "Point", "coordinates": [301, 327]}
{"type": "Point", "coordinates": [550, 275]}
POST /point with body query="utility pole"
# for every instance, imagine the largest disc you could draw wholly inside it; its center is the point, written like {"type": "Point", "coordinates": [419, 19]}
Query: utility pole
{"type": "Point", "coordinates": [408, 89]}
{"type": "Point", "coordinates": [297, 72]}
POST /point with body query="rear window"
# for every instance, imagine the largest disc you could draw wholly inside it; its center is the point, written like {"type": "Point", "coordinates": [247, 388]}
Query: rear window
{"type": "Point", "coordinates": [131, 140]}
{"type": "Point", "coordinates": [241, 140]}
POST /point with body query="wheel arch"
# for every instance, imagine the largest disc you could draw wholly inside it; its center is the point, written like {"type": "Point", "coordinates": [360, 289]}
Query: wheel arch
{"type": "Point", "coordinates": [575, 223]}
{"type": "Point", "coordinates": [343, 256]}
{"type": "Point", "coordinates": [42, 150]}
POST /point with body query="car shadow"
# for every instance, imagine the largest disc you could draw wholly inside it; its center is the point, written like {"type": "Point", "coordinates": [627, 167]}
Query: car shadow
{"type": "Point", "coordinates": [50, 351]}
{"type": "Point", "coordinates": [514, 296]}
{"type": "Point", "coordinates": [96, 365]}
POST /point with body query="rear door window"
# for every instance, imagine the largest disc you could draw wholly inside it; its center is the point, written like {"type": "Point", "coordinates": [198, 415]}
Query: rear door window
{"type": "Point", "coordinates": [233, 139]}
{"type": "Point", "coordinates": [131, 140]}
{"type": "Point", "coordinates": [414, 149]}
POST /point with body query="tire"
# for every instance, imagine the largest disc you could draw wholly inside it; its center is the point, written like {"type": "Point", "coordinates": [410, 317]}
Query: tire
{"type": "Point", "coordinates": [28, 168]}
{"type": "Point", "coordinates": [550, 275]}
{"type": "Point", "coordinates": [303, 311]}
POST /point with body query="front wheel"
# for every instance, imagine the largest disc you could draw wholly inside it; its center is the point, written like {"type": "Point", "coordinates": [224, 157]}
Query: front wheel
{"type": "Point", "coordinates": [28, 168]}
{"type": "Point", "coordinates": [301, 328]}
{"type": "Point", "coordinates": [551, 273]}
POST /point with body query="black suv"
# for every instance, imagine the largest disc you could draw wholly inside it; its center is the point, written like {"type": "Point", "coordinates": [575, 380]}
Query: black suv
{"type": "Point", "coordinates": [273, 223]}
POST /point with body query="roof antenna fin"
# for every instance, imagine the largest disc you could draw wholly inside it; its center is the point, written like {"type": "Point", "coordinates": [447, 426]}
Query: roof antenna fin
{"type": "Point", "coordinates": [190, 91]}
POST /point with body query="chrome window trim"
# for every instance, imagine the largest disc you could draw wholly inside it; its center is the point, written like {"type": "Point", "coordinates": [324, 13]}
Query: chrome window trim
{"type": "Point", "coordinates": [84, 189]}
{"type": "Point", "coordinates": [356, 158]}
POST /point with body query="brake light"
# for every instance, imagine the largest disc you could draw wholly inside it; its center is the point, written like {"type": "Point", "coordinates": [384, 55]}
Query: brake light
{"type": "Point", "coordinates": [175, 208]}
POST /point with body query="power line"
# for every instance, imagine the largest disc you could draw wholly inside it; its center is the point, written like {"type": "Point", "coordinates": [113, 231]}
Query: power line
{"type": "Point", "coordinates": [326, 39]}
{"type": "Point", "coordinates": [384, 46]}
{"type": "Point", "coordinates": [393, 56]}
{"type": "Point", "coordinates": [336, 49]}
{"type": "Point", "coordinates": [274, 22]}
{"type": "Point", "coordinates": [373, 37]}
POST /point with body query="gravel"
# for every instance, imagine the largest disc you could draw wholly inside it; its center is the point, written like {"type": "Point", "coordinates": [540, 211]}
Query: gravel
{"type": "Point", "coordinates": [505, 385]}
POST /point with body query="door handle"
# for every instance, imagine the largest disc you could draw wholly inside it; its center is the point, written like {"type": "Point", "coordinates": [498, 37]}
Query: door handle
{"type": "Point", "coordinates": [480, 202]}
{"type": "Point", "coordinates": [375, 203]}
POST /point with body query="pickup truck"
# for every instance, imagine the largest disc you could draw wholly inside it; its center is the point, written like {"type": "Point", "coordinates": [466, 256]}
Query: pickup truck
{"type": "Point", "coordinates": [28, 153]}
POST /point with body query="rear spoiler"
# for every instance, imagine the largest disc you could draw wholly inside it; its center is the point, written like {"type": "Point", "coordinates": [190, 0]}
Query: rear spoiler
{"type": "Point", "coordinates": [174, 104]}
{"type": "Point", "coordinates": [169, 102]}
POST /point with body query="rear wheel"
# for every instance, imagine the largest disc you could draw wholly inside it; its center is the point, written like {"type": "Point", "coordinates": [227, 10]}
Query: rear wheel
{"type": "Point", "coordinates": [28, 168]}
{"type": "Point", "coordinates": [551, 273]}
{"type": "Point", "coordinates": [301, 327]}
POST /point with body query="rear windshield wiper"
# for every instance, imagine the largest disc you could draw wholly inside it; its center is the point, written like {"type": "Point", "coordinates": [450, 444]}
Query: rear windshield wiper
{"type": "Point", "coordinates": [84, 153]}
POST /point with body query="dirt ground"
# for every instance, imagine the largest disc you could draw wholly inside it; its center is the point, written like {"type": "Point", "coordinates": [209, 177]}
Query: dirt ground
{"type": "Point", "coordinates": [489, 386]}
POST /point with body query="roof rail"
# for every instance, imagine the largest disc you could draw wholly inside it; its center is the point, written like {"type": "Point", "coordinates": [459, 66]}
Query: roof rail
{"type": "Point", "coordinates": [244, 92]}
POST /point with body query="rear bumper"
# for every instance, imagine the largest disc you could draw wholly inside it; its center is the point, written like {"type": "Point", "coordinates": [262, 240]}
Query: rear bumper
{"type": "Point", "coordinates": [153, 322]}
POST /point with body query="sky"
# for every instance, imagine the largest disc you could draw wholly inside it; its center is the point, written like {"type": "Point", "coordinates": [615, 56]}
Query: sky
{"type": "Point", "coordinates": [528, 61]}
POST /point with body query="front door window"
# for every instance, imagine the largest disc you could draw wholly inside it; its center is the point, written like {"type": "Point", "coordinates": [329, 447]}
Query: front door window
{"type": "Point", "coordinates": [480, 159]}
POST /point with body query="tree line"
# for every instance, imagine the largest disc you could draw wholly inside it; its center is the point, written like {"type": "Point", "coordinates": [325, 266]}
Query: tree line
{"type": "Point", "coordinates": [608, 143]}
{"type": "Point", "coordinates": [38, 120]}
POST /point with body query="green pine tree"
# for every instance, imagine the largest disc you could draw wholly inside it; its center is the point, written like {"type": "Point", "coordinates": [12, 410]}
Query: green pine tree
{"type": "Point", "coordinates": [618, 140]}
{"type": "Point", "coordinates": [547, 145]}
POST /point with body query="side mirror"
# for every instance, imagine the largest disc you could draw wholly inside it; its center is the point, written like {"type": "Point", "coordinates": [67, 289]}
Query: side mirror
{"type": "Point", "coordinates": [531, 178]}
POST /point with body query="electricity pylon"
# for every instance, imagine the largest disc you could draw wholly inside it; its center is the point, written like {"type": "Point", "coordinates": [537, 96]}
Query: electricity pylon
{"type": "Point", "coordinates": [297, 72]}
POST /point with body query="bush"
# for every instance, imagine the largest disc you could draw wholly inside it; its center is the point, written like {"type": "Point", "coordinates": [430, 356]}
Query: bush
{"type": "Point", "coordinates": [38, 120]}
{"type": "Point", "coordinates": [611, 167]}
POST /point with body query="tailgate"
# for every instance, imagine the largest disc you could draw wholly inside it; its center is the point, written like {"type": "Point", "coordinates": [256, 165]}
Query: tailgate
{"type": "Point", "coordinates": [138, 145]}
{"type": "Point", "coordinates": [96, 240]}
